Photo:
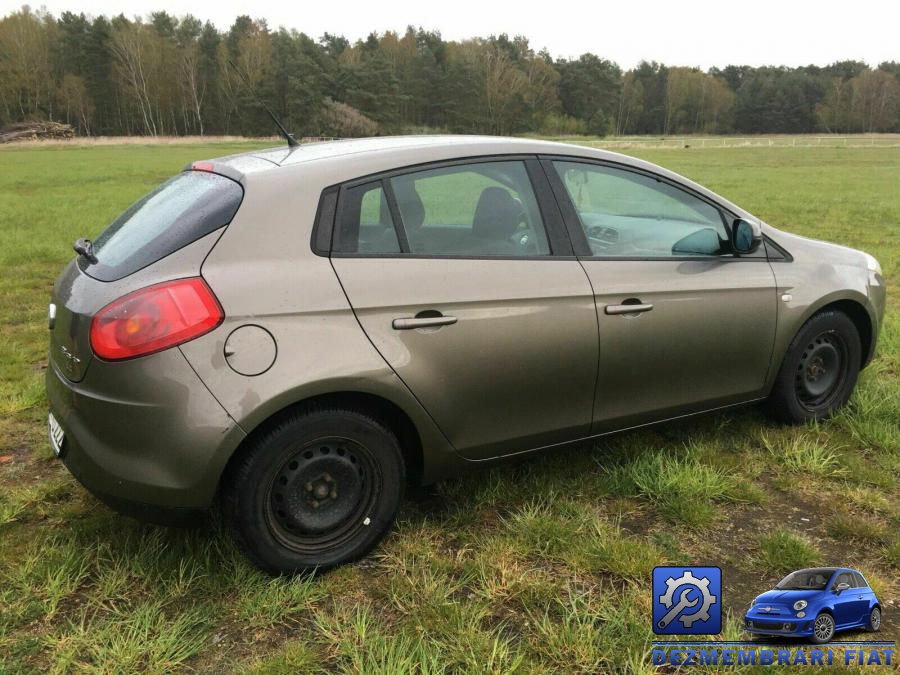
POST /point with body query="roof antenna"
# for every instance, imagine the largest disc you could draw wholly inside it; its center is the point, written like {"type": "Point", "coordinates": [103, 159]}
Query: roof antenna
{"type": "Point", "coordinates": [291, 141]}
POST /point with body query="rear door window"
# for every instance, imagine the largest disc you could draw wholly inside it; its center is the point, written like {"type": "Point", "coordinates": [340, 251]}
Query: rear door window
{"type": "Point", "coordinates": [480, 209]}
{"type": "Point", "coordinates": [177, 213]}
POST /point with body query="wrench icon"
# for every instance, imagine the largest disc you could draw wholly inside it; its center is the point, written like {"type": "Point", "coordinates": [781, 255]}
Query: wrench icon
{"type": "Point", "coordinates": [682, 603]}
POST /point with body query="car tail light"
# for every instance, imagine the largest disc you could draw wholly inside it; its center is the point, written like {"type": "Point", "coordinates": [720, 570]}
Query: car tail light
{"type": "Point", "coordinates": [155, 318]}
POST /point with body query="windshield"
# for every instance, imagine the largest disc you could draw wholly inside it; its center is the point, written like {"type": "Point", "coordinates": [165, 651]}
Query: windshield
{"type": "Point", "coordinates": [806, 580]}
{"type": "Point", "coordinates": [178, 212]}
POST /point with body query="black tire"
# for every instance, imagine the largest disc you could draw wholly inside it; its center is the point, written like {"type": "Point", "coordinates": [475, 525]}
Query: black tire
{"type": "Point", "coordinates": [825, 632]}
{"type": "Point", "coordinates": [318, 489]}
{"type": "Point", "coordinates": [874, 624]}
{"type": "Point", "coordinates": [819, 370]}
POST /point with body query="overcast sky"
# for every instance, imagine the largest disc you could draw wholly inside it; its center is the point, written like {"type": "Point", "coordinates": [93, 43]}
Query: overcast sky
{"type": "Point", "coordinates": [691, 33]}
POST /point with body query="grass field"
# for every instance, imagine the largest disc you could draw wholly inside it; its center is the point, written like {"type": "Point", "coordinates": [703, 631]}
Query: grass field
{"type": "Point", "coordinates": [541, 567]}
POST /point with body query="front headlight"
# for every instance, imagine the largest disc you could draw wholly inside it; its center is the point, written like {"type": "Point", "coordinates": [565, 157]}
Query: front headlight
{"type": "Point", "coordinates": [800, 604]}
{"type": "Point", "coordinates": [873, 265]}
{"type": "Point", "coordinates": [753, 602]}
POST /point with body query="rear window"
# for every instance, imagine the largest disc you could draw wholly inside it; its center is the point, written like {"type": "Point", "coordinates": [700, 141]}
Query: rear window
{"type": "Point", "coordinates": [178, 212]}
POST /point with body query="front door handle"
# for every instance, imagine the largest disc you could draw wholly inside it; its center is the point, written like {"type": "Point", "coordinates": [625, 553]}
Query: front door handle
{"type": "Point", "coordinates": [423, 322]}
{"type": "Point", "coordinates": [628, 308]}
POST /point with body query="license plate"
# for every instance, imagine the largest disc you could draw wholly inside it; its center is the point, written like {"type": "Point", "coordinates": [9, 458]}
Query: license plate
{"type": "Point", "coordinates": [57, 435]}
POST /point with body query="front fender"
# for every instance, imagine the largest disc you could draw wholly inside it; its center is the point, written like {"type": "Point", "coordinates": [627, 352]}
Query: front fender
{"type": "Point", "coordinates": [798, 303]}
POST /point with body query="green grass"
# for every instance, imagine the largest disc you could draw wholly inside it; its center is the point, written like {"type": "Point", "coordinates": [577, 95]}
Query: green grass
{"type": "Point", "coordinates": [540, 567]}
{"type": "Point", "coordinates": [782, 551]}
{"type": "Point", "coordinates": [684, 488]}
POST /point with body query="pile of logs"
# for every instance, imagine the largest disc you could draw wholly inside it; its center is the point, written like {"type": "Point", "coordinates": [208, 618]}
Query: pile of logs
{"type": "Point", "coordinates": [36, 131]}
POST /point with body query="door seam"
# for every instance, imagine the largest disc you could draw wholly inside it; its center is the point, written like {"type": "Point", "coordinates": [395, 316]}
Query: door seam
{"type": "Point", "coordinates": [378, 351]}
{"type": "Point", "coordinates": [599, 346]}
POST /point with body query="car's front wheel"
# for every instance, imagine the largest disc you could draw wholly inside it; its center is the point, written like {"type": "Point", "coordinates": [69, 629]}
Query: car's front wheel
{"type": "Point", "coordinates": [823, 629]}
{"type": "Point", "coordinates": [819, 370]}
{"type": "Point", "coordinates": [874, 621]}
{"type": "Point", "coordinates": [317, 489]}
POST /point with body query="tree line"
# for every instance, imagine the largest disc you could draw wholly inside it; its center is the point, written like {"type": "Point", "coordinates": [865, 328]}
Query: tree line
{"type": "Point", "coordinates": [171, 76]}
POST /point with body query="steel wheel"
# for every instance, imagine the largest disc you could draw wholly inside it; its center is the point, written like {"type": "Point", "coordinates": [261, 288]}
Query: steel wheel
{"type": "Point", "coordinates": [318, 488]}
{"type": "Point", "coordinates": [822, 369]}
{"type": "Point", "coordinates": [819, 369]}
{"type": "Point", "coordinates": [823, 628]}
{"type": "Point", "coordinates": [317, 497]}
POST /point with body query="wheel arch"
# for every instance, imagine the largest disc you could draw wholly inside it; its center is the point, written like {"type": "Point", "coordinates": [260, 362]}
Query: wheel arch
{"type": "Point", "coordinates": [381, 408]}
{"type": "Point", "coordinates": [860, 317]}
{"type": "Point", "coordinates": [857, 309]}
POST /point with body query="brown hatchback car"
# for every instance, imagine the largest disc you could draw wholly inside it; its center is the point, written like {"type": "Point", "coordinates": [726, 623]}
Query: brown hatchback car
{"type": "Point", "coordinates": [302, 332]}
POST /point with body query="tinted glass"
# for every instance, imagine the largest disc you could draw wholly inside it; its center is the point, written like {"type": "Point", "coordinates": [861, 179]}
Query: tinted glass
{"type": "Point", "coordinates": [860, 582]}
{"type": "Point", "coordinates": [482, 209]}
{"type": "Point", "coordinates": [626, 214]}
{"type": "Point", "coordinates": [812, 579]}
{"type": "Point", "coordinates": [178, 212]}
{"type": "Point", "coordinates": [365, 225]}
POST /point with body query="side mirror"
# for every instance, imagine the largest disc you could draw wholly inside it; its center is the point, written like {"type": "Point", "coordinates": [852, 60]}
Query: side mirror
{"type": "Point", "coordinates": [842, 587]}
{"type": "Point", "coordinates": [745, 236]}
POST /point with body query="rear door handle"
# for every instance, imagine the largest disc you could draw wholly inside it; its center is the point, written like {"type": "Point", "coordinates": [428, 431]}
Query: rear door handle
{"type": "Point", "coordinates": [627, 309]}
{"type": "Point", "coordinates": [423, 322]}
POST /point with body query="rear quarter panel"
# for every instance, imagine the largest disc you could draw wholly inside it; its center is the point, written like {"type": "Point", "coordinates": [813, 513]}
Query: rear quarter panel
{"type": "Point", "coordinates": [264, 272]}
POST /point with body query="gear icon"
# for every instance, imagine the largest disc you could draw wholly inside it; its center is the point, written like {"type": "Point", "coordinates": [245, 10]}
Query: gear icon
{"type": "Point", "coordinates": [701, 584]}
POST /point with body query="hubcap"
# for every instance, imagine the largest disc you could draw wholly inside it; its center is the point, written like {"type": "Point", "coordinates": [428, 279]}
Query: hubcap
{"type": "Point", "coordinates": [824, 627]}
{"type": "Point", "coordinates": [821, 369]}
{"type": "Point", "coordinates": [319, 494]}
{"type": "Point", "coordinates": [876, 619]}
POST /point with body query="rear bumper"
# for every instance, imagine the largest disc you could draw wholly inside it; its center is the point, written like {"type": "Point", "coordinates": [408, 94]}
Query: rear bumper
{"type": "Point", "coordinates": [145, 436]}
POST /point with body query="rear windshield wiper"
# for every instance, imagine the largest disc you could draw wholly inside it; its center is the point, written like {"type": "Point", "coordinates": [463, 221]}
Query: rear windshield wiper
{"type": "Point", "coordinates": [85, 248]}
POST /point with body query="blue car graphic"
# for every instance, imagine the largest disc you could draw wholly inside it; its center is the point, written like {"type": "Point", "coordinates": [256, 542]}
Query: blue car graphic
{"type": "Point", "coordinates": [815, 603]}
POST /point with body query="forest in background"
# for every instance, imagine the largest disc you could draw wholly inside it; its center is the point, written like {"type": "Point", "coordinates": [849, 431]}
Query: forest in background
{"type": "Point", "coordinates": [167, 75]}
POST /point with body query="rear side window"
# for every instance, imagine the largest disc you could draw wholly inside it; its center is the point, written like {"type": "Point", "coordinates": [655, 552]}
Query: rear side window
{"type": "Point", "coordinates": [366, 225]}
{"type": "Point", "coordinates": [178, 212]}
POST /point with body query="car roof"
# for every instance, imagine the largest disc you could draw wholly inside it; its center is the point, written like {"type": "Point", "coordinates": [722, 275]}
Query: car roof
{"type": "Point", "coordinates": [462, 146]}
{"type": "Point", "coordinates": [352, 158]}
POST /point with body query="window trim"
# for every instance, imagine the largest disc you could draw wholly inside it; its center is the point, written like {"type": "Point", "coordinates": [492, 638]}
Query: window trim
{"type": "Point", "coordinates": [558, 239]}
{"type": "Point", "coordinates": [579, 238]}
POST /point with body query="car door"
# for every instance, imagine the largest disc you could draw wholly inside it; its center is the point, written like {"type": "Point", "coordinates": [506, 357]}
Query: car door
{"type": "Point", "coordinates": [462, 276]}
{"type": "Point", "coordinates": [848, 605]}
{"type": "Point", "coordinates": [684, 324]}
{"type": "Point", "coordinates": [863, 599]}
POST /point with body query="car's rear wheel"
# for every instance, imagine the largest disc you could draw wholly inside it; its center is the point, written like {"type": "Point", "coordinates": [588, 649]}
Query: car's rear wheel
{"type": "Point", "coordinates": [317, 489]}
{"type": "Point", "coordinates": [874, 621]}
{"type": "Point", "coordinates": [819, 370]}
{"type": "Point", "coordinates": [823, 629]}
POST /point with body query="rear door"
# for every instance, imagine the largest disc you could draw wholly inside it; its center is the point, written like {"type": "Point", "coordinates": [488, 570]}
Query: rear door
{"type": "Point", "coordinates": [463, 278]}
{"type": "Point", "coordinates": [684, 325]}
